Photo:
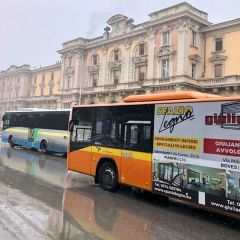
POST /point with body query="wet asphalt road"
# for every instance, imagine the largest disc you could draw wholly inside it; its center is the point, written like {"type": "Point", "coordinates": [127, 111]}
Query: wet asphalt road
{"type": "Point", "coordinates": [39, 199]}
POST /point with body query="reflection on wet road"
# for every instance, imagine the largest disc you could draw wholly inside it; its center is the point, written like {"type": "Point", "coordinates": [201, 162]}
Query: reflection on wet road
{"type": "Point", "coordinates": [39, 200]}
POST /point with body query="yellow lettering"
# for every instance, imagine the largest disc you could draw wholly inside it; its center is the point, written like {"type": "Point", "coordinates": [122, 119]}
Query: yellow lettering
{"type": "Point", "coordinates": [177, 110]}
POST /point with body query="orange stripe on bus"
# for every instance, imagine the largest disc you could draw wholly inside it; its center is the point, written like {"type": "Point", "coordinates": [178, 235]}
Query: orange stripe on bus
{"type": "Point", "coordinates": [118, 152]}
{"type": "Point", "coordinates": [85, 160]}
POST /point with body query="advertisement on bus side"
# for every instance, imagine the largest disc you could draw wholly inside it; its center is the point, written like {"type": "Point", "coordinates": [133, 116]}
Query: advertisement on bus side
{"type": "Point", "coordinates": [196, 154]}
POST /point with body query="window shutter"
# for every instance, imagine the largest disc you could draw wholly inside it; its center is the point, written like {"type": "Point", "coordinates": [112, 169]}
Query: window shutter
{"type": "Point", "coordinates": [218, 70]}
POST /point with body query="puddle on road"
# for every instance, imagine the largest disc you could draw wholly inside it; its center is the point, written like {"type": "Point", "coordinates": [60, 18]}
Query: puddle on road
{"type": "Point", "coordinates": [38, 200]}
{"type": "Point", "coordinates": [23, 217]}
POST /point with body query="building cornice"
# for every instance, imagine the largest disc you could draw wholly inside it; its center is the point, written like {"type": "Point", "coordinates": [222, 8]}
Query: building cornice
{"type": "Point", "coordinates": [46, 68]}
{"type": "Point", "coordinates": [25, 69]}
{"type": "Point", "coordinates": [176, 7]}
{"type": "Point", "coordinates": [13, 70]}
{"type": "Point", "coordinates": [220, 26]}
{"type": "Point", "coordinates": [136, 31]}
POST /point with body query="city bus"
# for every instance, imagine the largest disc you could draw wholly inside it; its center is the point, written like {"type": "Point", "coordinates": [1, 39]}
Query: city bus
{"type": "Point", "coordinates": [183, 145]}
{"type": "Point", "coordinates": [37, 129]}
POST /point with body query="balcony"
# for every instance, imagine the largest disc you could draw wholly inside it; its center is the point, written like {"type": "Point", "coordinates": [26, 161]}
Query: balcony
{"type": "Point", "coordinates": [166, 50]}
{"type": "Point", "coordinates": [116, 64]}
{"type": "Point", "coordinates": [135, 84]}
{"type": "Point", "coordinates": [168, 82]}
{"type": "Point", "coordinates": [220, 82]}
{"type": "Point", "coordinates": [110, 87]}
{"type": "Point", "coordinates": [140, 60]}
{"type": "Point", "coordinates": [93, 68]}
{"type": "Point", "coordinates": [89, 89]}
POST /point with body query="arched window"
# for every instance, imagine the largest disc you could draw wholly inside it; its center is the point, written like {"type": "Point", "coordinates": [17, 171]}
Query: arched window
{"type": "Point", "coordinates": [141, 49]}
{"type": "Point", "coordinates": [95, 60]}
{"type": "Point", "coordinates": [166, 38]}
{"type": "Point", "coordinates": [116, 55]}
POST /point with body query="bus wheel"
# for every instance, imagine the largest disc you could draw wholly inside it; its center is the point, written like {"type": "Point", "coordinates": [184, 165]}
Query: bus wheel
{"type": "Point", "coordinates": [10, 141]}
{"type": "Point", "coordinates": [43, 146]}
{"type": "Point", "coordinates": [108, 177]}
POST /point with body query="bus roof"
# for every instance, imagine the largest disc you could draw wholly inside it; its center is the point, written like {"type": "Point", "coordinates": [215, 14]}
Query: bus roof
{"type": "Point", "coordinates": [192, 97]}
{"type": "Point", "coordinates": [28, 110]}
{"type": "Point", "coordinates": [169, 96]}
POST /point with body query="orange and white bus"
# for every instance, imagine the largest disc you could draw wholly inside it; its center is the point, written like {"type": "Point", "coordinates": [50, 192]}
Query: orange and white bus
{"type": "Point", "coordinates": [185, 145]}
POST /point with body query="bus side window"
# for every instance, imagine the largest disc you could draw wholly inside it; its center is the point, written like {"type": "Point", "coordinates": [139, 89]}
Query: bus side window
{"type": "Point", "coordinates": [80, 126]}
{"type": "Point", "coordinates": [138, 137]}
{"type": "Point", "coordinates": [82, 133]}
{"type": "Point", "coordinates": [146, 138]}
{"type": "Point", "coordinates": [107, 133]}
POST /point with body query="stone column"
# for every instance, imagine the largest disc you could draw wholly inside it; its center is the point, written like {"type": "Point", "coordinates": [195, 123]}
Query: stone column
{"type": "Point", "coordinates": [103, 79]}
{"type": "Point", "coordinates": [24, 84]}
{"type": "Point", "coordinates": [151, 44]}
{"type": "Point", "coordinates": [61, 85]}
{"type": "Point", "coordinates": [79, 75]}
{"type": "Point", "coordinates": [125, 73]}
{"type": "Point", "coordinates": [75, 73]}
{"type": "Point", "coordinates": [182, 57]}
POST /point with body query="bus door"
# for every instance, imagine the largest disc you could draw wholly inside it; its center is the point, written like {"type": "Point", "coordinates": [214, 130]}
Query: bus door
{"type": "Point", "coordinates": [80, 152]}
{"type": "Point", "coordinates": [32, 137]}
{"type": "Point", "coordinates": [136, 167]}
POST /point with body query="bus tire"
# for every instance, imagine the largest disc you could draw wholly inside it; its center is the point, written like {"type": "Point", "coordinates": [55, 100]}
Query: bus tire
{"type": "Point", "coordinates": [43, 146]}
{"type": "Point", "coordinates": [108, 177]}
{"type": "Point", "coordinates": [10, 141]}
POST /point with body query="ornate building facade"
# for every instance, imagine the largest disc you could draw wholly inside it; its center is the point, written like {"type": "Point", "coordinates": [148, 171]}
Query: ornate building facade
{"type": "Point", "coordinates": [176, 49]}
{"type": "Point", "coordinates": [23, 87]}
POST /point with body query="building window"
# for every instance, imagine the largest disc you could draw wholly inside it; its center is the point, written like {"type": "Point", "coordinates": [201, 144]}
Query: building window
{"type": "Point", "coordinates": [166, 38]}
{"type": "Point", "coordinates": [69, 82]}
{"type": "Point", "coordinates": [141, 76]}
{"type": "Point", "coordinates": [141, 49]}
{"type": "Point", "coordinates": [142, 73]}
{"type": "Point", "coordinates": [35, 80]}
{"type": "Point", "coordinates": [94, 79]}
{"type": "Point", "coordinates": [43, 78]}
{"type": "Point", "coordinates": [69, 61]}
{"type": "Point", "coordinates": [117, 27]}
{"type": "Point", "coordinates": [218, 70]}
{"type": "Point", "coordinates": [194, 67]}
{"type": "Point", "coordinates": [52, 75]}
{"type": "Point", "coordinates": [194, 38]}
{"type": "Point", "coordinates": [116, 55]}
{"type": "Point", "coordinates": [50, 91]}
{"type": "Point", "coordinates": [95, 59]}
{"type": "Point", "coordinates": [41, 91]}
{"type": "Point", "coordinates": [218, 44]}
{"type": "Point", "coordinates": [165, 68]}
{"type": "Point", "coordinates": [115, 74]}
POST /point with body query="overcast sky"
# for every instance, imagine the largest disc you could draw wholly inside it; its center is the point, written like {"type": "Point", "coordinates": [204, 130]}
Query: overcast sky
{"type": "Point", "coordinates": [31, 31]}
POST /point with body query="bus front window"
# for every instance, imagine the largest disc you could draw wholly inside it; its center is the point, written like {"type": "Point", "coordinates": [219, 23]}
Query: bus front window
{"type": "Point", "coordinates": [5, 122]}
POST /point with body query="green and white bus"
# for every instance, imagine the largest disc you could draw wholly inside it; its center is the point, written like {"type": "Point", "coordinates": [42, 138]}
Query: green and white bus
{"type": "Point", "coordinates": [37, 129]}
